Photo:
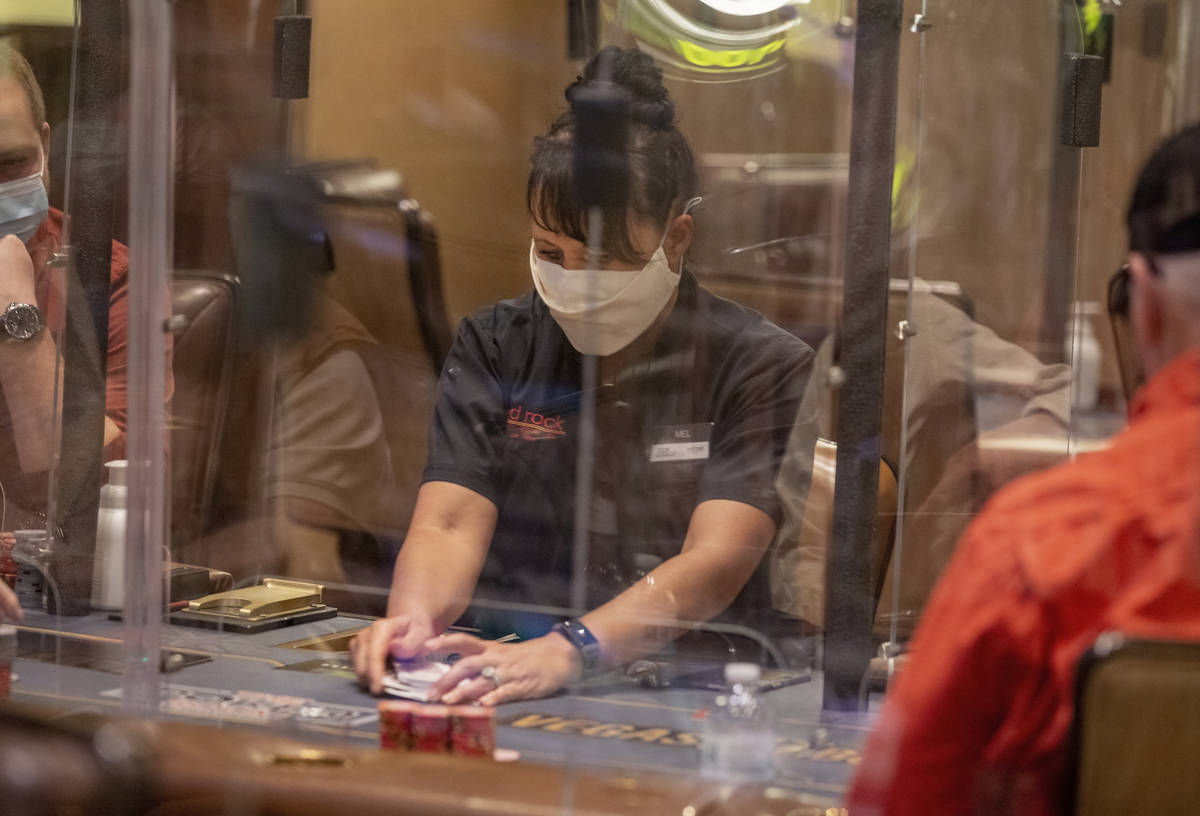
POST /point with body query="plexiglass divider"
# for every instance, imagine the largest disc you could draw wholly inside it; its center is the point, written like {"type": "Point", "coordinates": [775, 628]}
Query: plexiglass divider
{"type": "Point", "coordinates": [151, 228]}
{"type": "Point", "coordinates": [876, 309]}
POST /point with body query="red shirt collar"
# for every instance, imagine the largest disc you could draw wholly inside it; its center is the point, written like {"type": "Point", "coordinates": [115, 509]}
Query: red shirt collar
{"type": "Point", "coordinates": [1177, 385]}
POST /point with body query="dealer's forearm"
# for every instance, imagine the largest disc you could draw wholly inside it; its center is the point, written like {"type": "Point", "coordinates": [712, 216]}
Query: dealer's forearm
{"type": "Point", "coordinates": [443, 553]}
{"type": "Point", "coordinates": [433, 578]}
{"type": "Point", "coordinates": [683, 590]}
{"type": "Point", "coordinates": [726, 542]}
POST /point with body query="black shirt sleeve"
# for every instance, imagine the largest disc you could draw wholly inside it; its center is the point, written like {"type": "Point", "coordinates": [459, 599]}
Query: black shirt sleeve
{"type": "Point", "coordinates": [766, 377]}
{"type": "Point", "coordinates": [468, 421]}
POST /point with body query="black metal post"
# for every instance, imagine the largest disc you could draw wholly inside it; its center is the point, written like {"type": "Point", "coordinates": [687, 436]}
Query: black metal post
{"type": "Point", "coordinates": [97, 164]}
{"type": "Point", "coordinates": [1078, 109]}
{"type": "Point", "coordinates": [583, 28]}
{"type": "Point", "coordinates": [850, 595]}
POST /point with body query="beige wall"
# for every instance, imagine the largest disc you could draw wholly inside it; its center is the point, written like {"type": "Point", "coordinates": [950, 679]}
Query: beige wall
{"type": "Point", "coordinates": [452, 98]}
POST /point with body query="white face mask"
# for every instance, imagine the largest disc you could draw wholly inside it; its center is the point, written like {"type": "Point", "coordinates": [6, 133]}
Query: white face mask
{"type": "Point", "coordinates": [604, 310]}
{"type": "Point", "coordinates": [23, 205]}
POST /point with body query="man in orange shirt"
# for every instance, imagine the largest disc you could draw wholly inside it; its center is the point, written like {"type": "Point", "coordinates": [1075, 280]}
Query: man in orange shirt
{"type": "Point", "coordinates": [978, 721]}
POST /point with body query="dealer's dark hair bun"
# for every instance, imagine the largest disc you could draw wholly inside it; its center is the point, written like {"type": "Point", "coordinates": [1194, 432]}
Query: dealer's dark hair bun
{"type": "Point", "coordinates": [636, 72]}
{"type": "Point", "coordinates": [662, 169]}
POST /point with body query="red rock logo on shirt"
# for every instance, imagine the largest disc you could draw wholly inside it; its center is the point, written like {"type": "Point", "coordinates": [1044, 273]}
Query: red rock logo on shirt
{"type": "Point", "coordinates": [530, 425]}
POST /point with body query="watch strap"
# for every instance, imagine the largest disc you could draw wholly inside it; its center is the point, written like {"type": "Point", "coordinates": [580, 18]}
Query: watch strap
{"type": "Point", "coordinates": [584, 642]}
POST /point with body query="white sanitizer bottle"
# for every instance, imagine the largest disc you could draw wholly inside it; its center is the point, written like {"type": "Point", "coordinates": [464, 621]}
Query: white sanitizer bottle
{"type": "Point", "coordinates": [108, 575]}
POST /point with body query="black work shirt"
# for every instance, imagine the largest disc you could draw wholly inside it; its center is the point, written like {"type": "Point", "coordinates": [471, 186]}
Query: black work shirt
{"type": "Point", "coordinates": [506, 426]}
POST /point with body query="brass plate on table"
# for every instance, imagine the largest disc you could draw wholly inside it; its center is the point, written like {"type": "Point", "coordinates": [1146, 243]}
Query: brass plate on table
{"type": "Point", "coordinates": [274, 596]}
{"type": "Point", "coordinates": [274, 603]}
{"type": "Point", "coordinates": [332, 642]}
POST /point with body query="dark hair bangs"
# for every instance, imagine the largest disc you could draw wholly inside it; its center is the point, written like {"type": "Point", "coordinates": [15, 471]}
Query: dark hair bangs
{"type": "Point", "coordinates": [553, 204]}
{"type": "Point", "coordinates": [550, 196]}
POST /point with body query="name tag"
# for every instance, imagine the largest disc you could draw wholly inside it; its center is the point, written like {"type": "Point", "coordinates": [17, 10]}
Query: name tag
{"type": "Point", "coordinates": [681, 443]}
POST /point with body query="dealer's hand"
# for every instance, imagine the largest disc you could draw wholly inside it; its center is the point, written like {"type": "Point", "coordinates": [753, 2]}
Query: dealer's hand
{"type": "Point", "coordinates": [9, 608]}
{"type": "Point", "coordinates": [402, 636]}
{"type": "Point", "coordinates": [495, 673]}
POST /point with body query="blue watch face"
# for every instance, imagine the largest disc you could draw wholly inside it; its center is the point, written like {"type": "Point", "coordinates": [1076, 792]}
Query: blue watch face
{"type": "Point", "coordinates": [583, 640]}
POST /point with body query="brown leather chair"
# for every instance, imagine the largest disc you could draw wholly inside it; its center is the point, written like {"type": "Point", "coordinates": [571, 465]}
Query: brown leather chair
{"type": "Point", "coordinates": [203, 306]}
{"type": "Point", "coordinates": [798, 560]}
{"type": "Point", "coordinates": [388, 275]}
{"type": "Point", "coordinates": [1135, 739]}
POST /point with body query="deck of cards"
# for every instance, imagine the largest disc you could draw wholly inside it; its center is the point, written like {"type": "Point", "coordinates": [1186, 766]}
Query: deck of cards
{"type": "Point", "coordinates": [412, 679]}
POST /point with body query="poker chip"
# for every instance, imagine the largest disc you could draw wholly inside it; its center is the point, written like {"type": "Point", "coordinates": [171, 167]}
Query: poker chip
{"type": "Point", "coordinates": [472, 731]}
{"type": "Point", "coordinates": [395, 724]}
{"type": "Point", "coordinates": [430, 729]}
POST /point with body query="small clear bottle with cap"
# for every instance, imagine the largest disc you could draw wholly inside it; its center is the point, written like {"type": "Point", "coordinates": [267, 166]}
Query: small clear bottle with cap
{"type": "Point", "coordinates": [31, 552]}
{"type": "Point", "coordinates": [739, 732]}
{"type": "Point", "coordinates": [108, 572]}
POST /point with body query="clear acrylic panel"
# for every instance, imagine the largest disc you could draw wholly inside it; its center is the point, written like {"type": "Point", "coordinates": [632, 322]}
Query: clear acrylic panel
{"type": "Point", "coordinates": [427, 328]}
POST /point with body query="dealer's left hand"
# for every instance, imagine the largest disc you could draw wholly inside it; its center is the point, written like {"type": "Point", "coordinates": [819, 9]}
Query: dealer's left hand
{"type": "Point", "coordinates": [494, 673]}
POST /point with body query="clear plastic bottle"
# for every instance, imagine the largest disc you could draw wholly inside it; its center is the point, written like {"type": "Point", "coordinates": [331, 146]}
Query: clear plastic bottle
{"type": "Point", "coordinates": [739, 733]}
{"type": "Point", "coordinates": [1083, 350]}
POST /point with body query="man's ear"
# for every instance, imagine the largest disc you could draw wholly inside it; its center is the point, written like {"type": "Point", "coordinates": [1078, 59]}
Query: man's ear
{"type": "Point", "coordinates": [45, 134]}
{"type": "Point", "coordinates": [1146, 310]}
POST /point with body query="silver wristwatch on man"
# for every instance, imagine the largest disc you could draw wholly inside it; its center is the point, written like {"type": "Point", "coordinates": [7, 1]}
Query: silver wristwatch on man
{"type": "Point", "coordinates": [21, 321]}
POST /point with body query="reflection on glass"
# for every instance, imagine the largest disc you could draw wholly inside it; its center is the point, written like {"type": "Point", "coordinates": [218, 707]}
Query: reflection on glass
{"type": "Point", "coordinates": [34, 278]}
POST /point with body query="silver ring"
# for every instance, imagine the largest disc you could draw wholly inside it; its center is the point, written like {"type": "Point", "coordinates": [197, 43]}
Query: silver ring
{"type": "Point", "coordinates": [491, 673]}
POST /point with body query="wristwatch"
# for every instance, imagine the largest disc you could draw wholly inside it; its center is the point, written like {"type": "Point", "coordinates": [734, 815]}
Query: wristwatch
{"type": "Point", "coordinates": [584, 642]}
{"type": "Point", "coordinates": [21, 321]}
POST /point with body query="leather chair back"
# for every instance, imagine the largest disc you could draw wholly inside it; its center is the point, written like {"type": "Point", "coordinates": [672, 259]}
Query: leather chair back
{"type": "Point", "coordinates": [798, 561]}
{"type": "Point", "coordinates": [203, 304]}
{"type": "Point", "coordinates": [1135, 739]}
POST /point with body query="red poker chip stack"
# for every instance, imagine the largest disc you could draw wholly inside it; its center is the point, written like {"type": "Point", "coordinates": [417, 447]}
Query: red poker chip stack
{"type": "Point", "coordinates": [8, 567]}
{"type": "Point", "coordinates": [395, 724]}
{"type": "Point", "coordinates": [430, 729]}
{"type": "Point", "coordinates": [8, 653]}
{"type": "Point", "coordinates": [466, 730]}
{"type": "Point", "coordinates": [472, 731]}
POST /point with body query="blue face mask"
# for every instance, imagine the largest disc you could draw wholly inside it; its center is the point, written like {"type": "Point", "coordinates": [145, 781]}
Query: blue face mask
{"type": "Point", "coordinates": [23, 205]}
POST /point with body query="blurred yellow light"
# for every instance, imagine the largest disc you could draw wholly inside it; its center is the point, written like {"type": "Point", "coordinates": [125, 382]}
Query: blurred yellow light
{"type": "Point", "coordinates": [37, 12]}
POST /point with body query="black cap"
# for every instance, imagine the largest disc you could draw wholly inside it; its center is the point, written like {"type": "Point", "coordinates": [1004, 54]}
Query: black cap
{"type": "Point", "coordinates": [1164, 214]}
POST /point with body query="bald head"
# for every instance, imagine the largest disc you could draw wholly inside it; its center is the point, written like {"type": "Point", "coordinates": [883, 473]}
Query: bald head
{"type": "Point", "coordinates": [14, 66]}
{"type": "Point", "coordinates": [24, 134]}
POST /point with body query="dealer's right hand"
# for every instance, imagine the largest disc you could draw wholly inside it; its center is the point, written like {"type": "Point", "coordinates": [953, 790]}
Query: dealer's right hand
{"type": "Point", "coordinates": [402, 637]}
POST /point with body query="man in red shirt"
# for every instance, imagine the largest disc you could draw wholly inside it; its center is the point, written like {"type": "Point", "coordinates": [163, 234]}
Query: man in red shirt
{"type": "Point", "coordinates": [977, 722]}
{"type": "Point", "coordinates": [32, 298]}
